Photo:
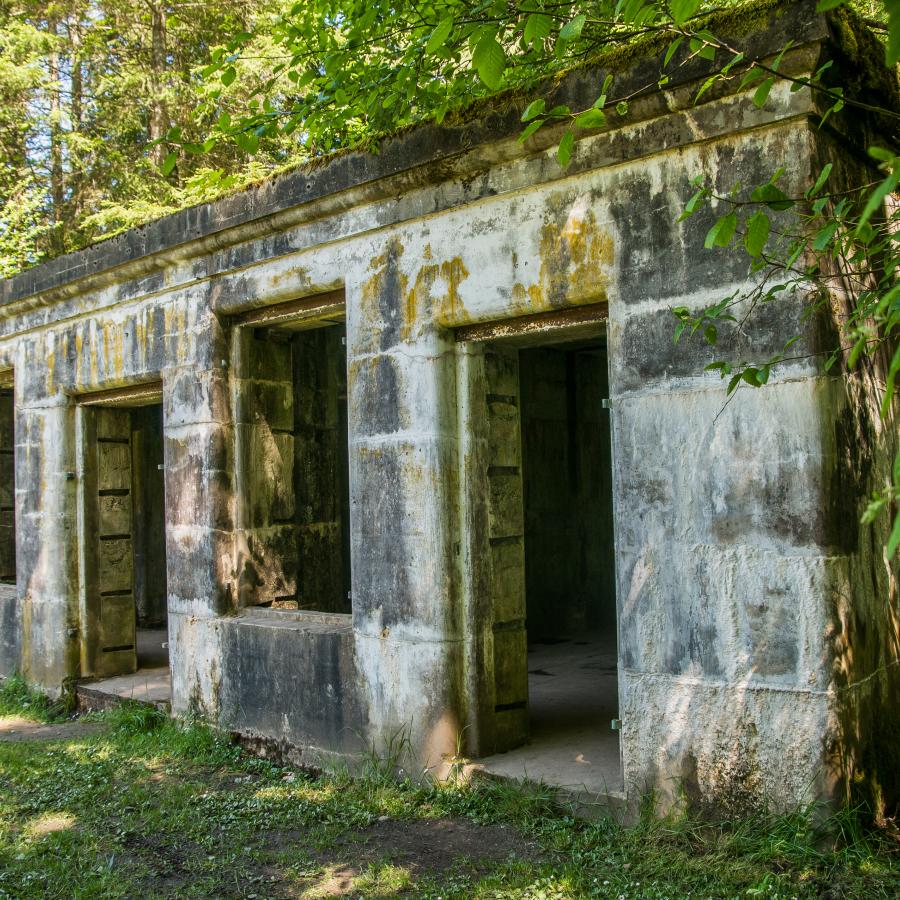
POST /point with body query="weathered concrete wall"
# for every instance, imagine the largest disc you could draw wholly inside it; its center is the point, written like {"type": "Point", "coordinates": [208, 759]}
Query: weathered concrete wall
{"type": "Point", "coordinates": [731, 554]}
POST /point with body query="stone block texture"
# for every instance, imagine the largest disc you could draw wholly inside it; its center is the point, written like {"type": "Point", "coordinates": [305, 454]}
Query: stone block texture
{"type": "Point", "coordinates": [344, 519]}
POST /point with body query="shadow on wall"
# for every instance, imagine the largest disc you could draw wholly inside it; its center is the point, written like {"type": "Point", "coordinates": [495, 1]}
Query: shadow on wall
{"type": "Point", "coordinates": [809, 707]}
{"type": "Point", "coordinates": [865, 632]}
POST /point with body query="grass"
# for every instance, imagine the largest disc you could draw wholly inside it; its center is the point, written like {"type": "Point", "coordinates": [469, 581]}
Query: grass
{"type": "Point", "coordinates": [144, 806]}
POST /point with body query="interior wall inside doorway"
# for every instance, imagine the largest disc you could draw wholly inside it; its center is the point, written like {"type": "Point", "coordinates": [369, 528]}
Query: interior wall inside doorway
{"type": "Point", "coordinates": [7, 488]}
{"type": "Point", "coordinates": [295, 487]}
{"type": "Point", "coordinates": [567, 474]}
{"type": "Point", "coordinates": [321, 470]}
{"type": "Point", "coordinates": [149, 512]}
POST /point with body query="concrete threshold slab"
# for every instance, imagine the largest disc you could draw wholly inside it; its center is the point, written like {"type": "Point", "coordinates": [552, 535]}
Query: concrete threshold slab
{"type": "Point", "coordinates": [578, 801]}
{"type": "Point", "coordinates": [573, 697]}
{"type": "Point", "coordinates": [150, 686]}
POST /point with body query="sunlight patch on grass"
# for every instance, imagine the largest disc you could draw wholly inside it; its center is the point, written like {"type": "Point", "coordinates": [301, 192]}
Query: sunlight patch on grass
{"type": "Point", "coordinates": [50, 823]}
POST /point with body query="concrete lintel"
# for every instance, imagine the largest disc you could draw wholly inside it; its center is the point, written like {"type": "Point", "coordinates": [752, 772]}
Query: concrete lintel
{"type": "Point", "coordinates": [326, 307]}
{"type": "Point", "coordinates": [589, 319]}
{"type": "Point", "coordinates": [144, 394]}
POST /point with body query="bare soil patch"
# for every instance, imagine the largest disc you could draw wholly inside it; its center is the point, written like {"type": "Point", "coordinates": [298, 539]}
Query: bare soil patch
{"type": "Point", "coordinates": [15, 728]}
{"type": "Point", "coordinates": [435, 845]}
{"type": "Point", "coordinates": [421, 846]}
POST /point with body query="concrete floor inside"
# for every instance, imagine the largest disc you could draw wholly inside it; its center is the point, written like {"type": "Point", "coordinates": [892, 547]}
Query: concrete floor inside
{"type": "Point", "coordinates": [573, 696]}
{"type": "Point", "coordinates": [152, 682]}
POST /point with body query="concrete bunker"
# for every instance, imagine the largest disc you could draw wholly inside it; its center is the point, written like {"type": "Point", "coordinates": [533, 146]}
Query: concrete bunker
{"type": "Point", "coordinates": [737, 597]}
{"type": "Point", "coordinates": [122, 533]}
{"type": "Point", "coordinates": [293, 481]}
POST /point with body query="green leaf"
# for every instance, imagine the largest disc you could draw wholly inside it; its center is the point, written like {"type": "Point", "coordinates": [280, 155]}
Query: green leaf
{"type": "Point", "coordinates": [752, 75]}
{"type": "Point", "coordinates": [622, 108]}
{"type": "Point", "coordinates": [489, 60]}
{"type": "Point", "coordinates": [247, 141]}
{"type": "Point", "coordinates": [772, 196]}
{"type": "Point", "coordinates": [694, 203]}
{"type": "Point", "coordinates": [876, 198]}
{"type": "Point", "coordinates": [874, 509]}
{"type": "Point", "coordinates": [535, 108]}
{"type": "Point", "coordinates": [571, 31]}
{"type": "Point", "coordinates": [893, 47]}
{"type": "Point", "coordinates": [757, 233]}
{"type": "Point", "coordinates": [682, 10]}
{"type": "Point", "coordinates": [825, 5]}
{"type": "Point", "coordinates": [722, 232]}
{"type": "Point", "coordinates": [703, 44]}
{"type": "Point", "coordinates": [439, 36]}
{"type": "Point", "coordinates": [711, 334]}
{"type": "Point", "coordinates": [537, 28]}
{"type": "Point", "coordinates": [591, 118]}
{"type": "Point", "coordinates": [706, 86]}
{"type": "Point", "coordinates": [229, 75]}
{"type": "Point", "coordinates": [820, 181]}
{"type": "Point", "coordinates": [737, 58]}
{"type": "Point", "coordinates": [888, 397]}
{"type": "Point", "coordinates": [168, 164]}
{"type": "Point", "coordinates": [530, 130]}
{"type": "Point", "coordinates": [824, 235]}
{"type": "Point", "coordinates": [564, 152]}
{"type": "Point", "coordinates": [670, 52]}
{"type": "Point", "coordinates": [762, 92]}
{"type": "Point", "coordinates": [894, 539]}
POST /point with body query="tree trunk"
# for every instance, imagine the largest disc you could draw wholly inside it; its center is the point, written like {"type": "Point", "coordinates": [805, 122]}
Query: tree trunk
{"type": "Point", "coordinates": [158, 118]}
{"type": "Point", "coordinates": [57, 184]}
{"type": "Point", "coordinates": [75, 110]}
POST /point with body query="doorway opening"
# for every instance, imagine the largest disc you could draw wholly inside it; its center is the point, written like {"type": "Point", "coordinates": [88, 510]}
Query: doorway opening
{"type": "Point", "coordinates": [7, 493]}
{"type": "Point", "coordinates": [7, 490]}
{"type": "Point", "coordinates": [293, 432]}
{"type": "Point", "coordinates": [149, 551]}
{"type": "Point", "coordinates": [570, 590]}
{"type": "Point", "coordinates": [568, 562]}
{"type": "Point", "coordinates": [123, 543]}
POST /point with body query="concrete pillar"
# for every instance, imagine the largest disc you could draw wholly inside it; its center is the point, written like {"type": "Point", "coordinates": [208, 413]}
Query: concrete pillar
{"type": "Point", "coordinates": [46, 538]}
{"type": "Point", "coordinates": [199, 455]}
{"type": "Point", "coordinates": [403, 463]}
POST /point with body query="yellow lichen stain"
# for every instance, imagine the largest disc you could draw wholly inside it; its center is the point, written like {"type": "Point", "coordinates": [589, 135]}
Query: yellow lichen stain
{"type": "Point", "coordinates": [118, 351]}
{"type": "Point", "coordinates": [453, 274]}
{"type": "Point", "coordinates": [79, 347]}
{"type": "Point", "coordinates": [417, 304]}
{"type": "Point", "coordinates": [417, 299]}
{"type": "Point", "coordinates": [575, 257]}
{"type": "Point", "coordinates": [378, 293]}
{"type": "Point", "coordinates": [104, 331]}
{"type": "Point", "coordinates": [295, 277]}
{"type": "Point", "coordinates": [95, 358]}
{"type": "Point", "coordinates": [50, 368]}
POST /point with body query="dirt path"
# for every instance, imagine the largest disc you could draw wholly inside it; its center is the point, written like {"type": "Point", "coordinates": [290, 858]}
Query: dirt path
{"type": "Point", "coordinates": [16, 728]}
{"type": "Point", "coordinates": [421, 846]}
